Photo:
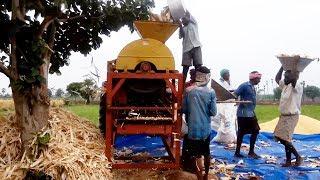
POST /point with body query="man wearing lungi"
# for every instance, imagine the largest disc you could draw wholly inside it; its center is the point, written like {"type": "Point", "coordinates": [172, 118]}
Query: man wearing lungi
{"type": "Point", "coordinates": [247, 120]}
{"type": "Point", "coordinates": [290, 108]}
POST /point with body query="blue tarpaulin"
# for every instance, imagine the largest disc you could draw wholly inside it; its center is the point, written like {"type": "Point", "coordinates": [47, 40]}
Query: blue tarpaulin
{"type": "Point", "coordinates": [307, 145]}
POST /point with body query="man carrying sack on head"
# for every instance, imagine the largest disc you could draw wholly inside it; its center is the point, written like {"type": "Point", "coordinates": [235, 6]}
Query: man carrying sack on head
{"type": "Point", "coordinates": [290, 108]}
{"type": "Point", "coordinates": [290, 103]}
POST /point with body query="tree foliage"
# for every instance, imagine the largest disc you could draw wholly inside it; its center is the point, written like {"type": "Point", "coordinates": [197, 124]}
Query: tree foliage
{"type": "Point", "coordinates": [41, 35]}
{"type": "Point", "coordinates": [312, 92]}
{"type": "Point", "coordinates": [85, 89]}
{"type": "Point", "coordinates": [74, 88]}
{"type": "Point", "coordinates": [277, 93]}
{"type": "Point", "coordinates": [59, 27]}
{"type": "Point", "coordinates": [59, 93]}
{"type": "Point", "coordinates": [50, 93]}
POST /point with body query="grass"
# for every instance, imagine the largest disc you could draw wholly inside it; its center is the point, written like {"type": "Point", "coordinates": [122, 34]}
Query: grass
{"type": "Point", "coordinates": [266, 113]}
{"type": "Point", "coordinates": [269, 112]}
{"type": "Point", "coordinates": [311, 111]}
{"type": "Point", "coordinates": [91, 112]}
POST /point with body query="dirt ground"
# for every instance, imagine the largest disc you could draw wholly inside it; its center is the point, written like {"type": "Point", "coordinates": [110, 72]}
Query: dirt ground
{"type": "Point", "coordinates": [306, 125]}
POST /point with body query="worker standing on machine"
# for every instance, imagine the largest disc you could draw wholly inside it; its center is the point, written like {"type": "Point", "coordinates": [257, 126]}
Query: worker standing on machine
{"type": "Point", "coordinates": [191, 45]}
{"type": "Point", "coordinates": [199, 103]}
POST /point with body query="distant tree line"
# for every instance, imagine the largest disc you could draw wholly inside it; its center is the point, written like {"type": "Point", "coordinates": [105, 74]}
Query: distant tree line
{"type": "Point", "coordinates": [87, 90]}
{"type": "Point", "coordinates": [311, 92]}
{"type": "Point", "coordinates": [4, 93]}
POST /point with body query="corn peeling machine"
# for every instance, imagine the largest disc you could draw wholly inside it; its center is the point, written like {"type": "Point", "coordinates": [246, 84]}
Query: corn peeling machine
{"type": "Point", "coordinates": [144, 96]}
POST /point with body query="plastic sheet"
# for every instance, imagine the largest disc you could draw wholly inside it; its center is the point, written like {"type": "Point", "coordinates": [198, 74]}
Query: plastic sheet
{"type": "Point", "coordinates": [268, 167]}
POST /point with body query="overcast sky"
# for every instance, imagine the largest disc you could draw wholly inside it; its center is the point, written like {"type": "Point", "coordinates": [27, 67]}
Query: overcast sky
{"type": "Point", "coordinates": [240, 35]}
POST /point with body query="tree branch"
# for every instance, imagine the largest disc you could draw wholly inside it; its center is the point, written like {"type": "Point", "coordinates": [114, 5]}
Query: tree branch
{"type": "Point", "coordinates": [18, 13]}
{"type": "Point", "coordinates": [13, 53]}
{"type": "Point", "coordinates": [51, 38]}
{"type": "Point", "coordinates": [6, 52]}
{"type": "Point", "coordinates": [5, 70]}
{"type": "Point", "coordinates": [71, 18]}
{"type": "Point", "coordinates": [81, 16]}
{"type": "Point", "coordinates": [45, 23]}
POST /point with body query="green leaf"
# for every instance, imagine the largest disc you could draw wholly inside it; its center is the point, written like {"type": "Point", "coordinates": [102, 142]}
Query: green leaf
{"type": "Point", "coordinates": [44, 139]}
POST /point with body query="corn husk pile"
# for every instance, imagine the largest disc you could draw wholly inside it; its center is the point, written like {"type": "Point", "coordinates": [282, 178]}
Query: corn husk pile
{"type": "Point", "coordinates": [294, 62]}
{"type": "Point", "coordinates": [75, 150]}
{"type": "Point", "coordinates": [10, 143]}
{"type": "Point", "coordinates": [8, 104]}
{"type": "Point", "coordinates": [164, 15]}
{"type": "Point", "coordinates": [56, 103]}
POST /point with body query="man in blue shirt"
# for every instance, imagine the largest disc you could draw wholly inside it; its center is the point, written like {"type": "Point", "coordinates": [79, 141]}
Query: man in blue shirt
{"type": "Point", "coordinates": [199, 103]}
{"type": "Point", "coordinates": [247, 121]}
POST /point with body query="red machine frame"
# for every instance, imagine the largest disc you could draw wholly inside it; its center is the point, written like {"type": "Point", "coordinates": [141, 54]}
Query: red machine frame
{"type": "Point", "coordinates": [170, 133]}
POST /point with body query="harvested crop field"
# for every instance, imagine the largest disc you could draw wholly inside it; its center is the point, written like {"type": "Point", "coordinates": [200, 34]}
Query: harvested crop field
{"type": "Point", "coordinates": [75, 151]}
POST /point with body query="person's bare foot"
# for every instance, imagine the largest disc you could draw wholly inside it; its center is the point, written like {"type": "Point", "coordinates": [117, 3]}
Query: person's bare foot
{"type": "Point", "coordinates": [254, 156]}
{"type": "Point", "coordinates": [299, 161]}
{"type": "Point", "coordinates": [286, 164]}
{"type": "Point", "coordinates": [238, 155]}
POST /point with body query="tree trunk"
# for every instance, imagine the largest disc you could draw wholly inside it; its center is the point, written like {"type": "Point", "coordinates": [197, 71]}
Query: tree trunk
{"type": "Point", "coordinates": [31, 105]}
{"type": "Point", "coordinates": [31, 113]}
{"type": "Point", "coordinates": [88, 100]}
{"type": "Point", "coordinates": [32, 108]}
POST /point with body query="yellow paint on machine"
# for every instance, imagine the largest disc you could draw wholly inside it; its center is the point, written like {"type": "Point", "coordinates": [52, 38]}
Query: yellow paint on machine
{"type": "Point", "coordinates": [150, 48]}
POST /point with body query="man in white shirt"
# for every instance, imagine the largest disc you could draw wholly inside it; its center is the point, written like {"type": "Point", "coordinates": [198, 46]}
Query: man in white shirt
{"type": "Point", "coordinates": [225, 79]}
{"type": "Point", "coordinates": [290, 108]}
{"type": "Point", "coordinates": [226, 117]}
{"type": "Point", "coordinates": [191, 45]}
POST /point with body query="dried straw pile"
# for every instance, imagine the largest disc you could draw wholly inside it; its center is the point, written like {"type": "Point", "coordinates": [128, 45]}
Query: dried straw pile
{"type": "Point", "coordinates": [6, 104]}
{"type": "Point", "coordinates": [56, 103]}
{"type": "Point", "coordinates": [75, 151]}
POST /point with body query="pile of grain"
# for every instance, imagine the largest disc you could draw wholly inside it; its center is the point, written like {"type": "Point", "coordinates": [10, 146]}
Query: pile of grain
{"type": "Point", "coordinates": [306, 125]}
{"type": "Point", "coordinates": [75, 151]}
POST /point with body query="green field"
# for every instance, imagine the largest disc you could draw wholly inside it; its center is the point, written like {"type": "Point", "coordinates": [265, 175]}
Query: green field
{"type": "Point", "coordinates": [311, 111]}
{"type": "Point", "coordinates": [90, 112]}
{"type": "Point", "coordinates": [269, 112]}
{"type": "Point", "coordinates": [264, 112]}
